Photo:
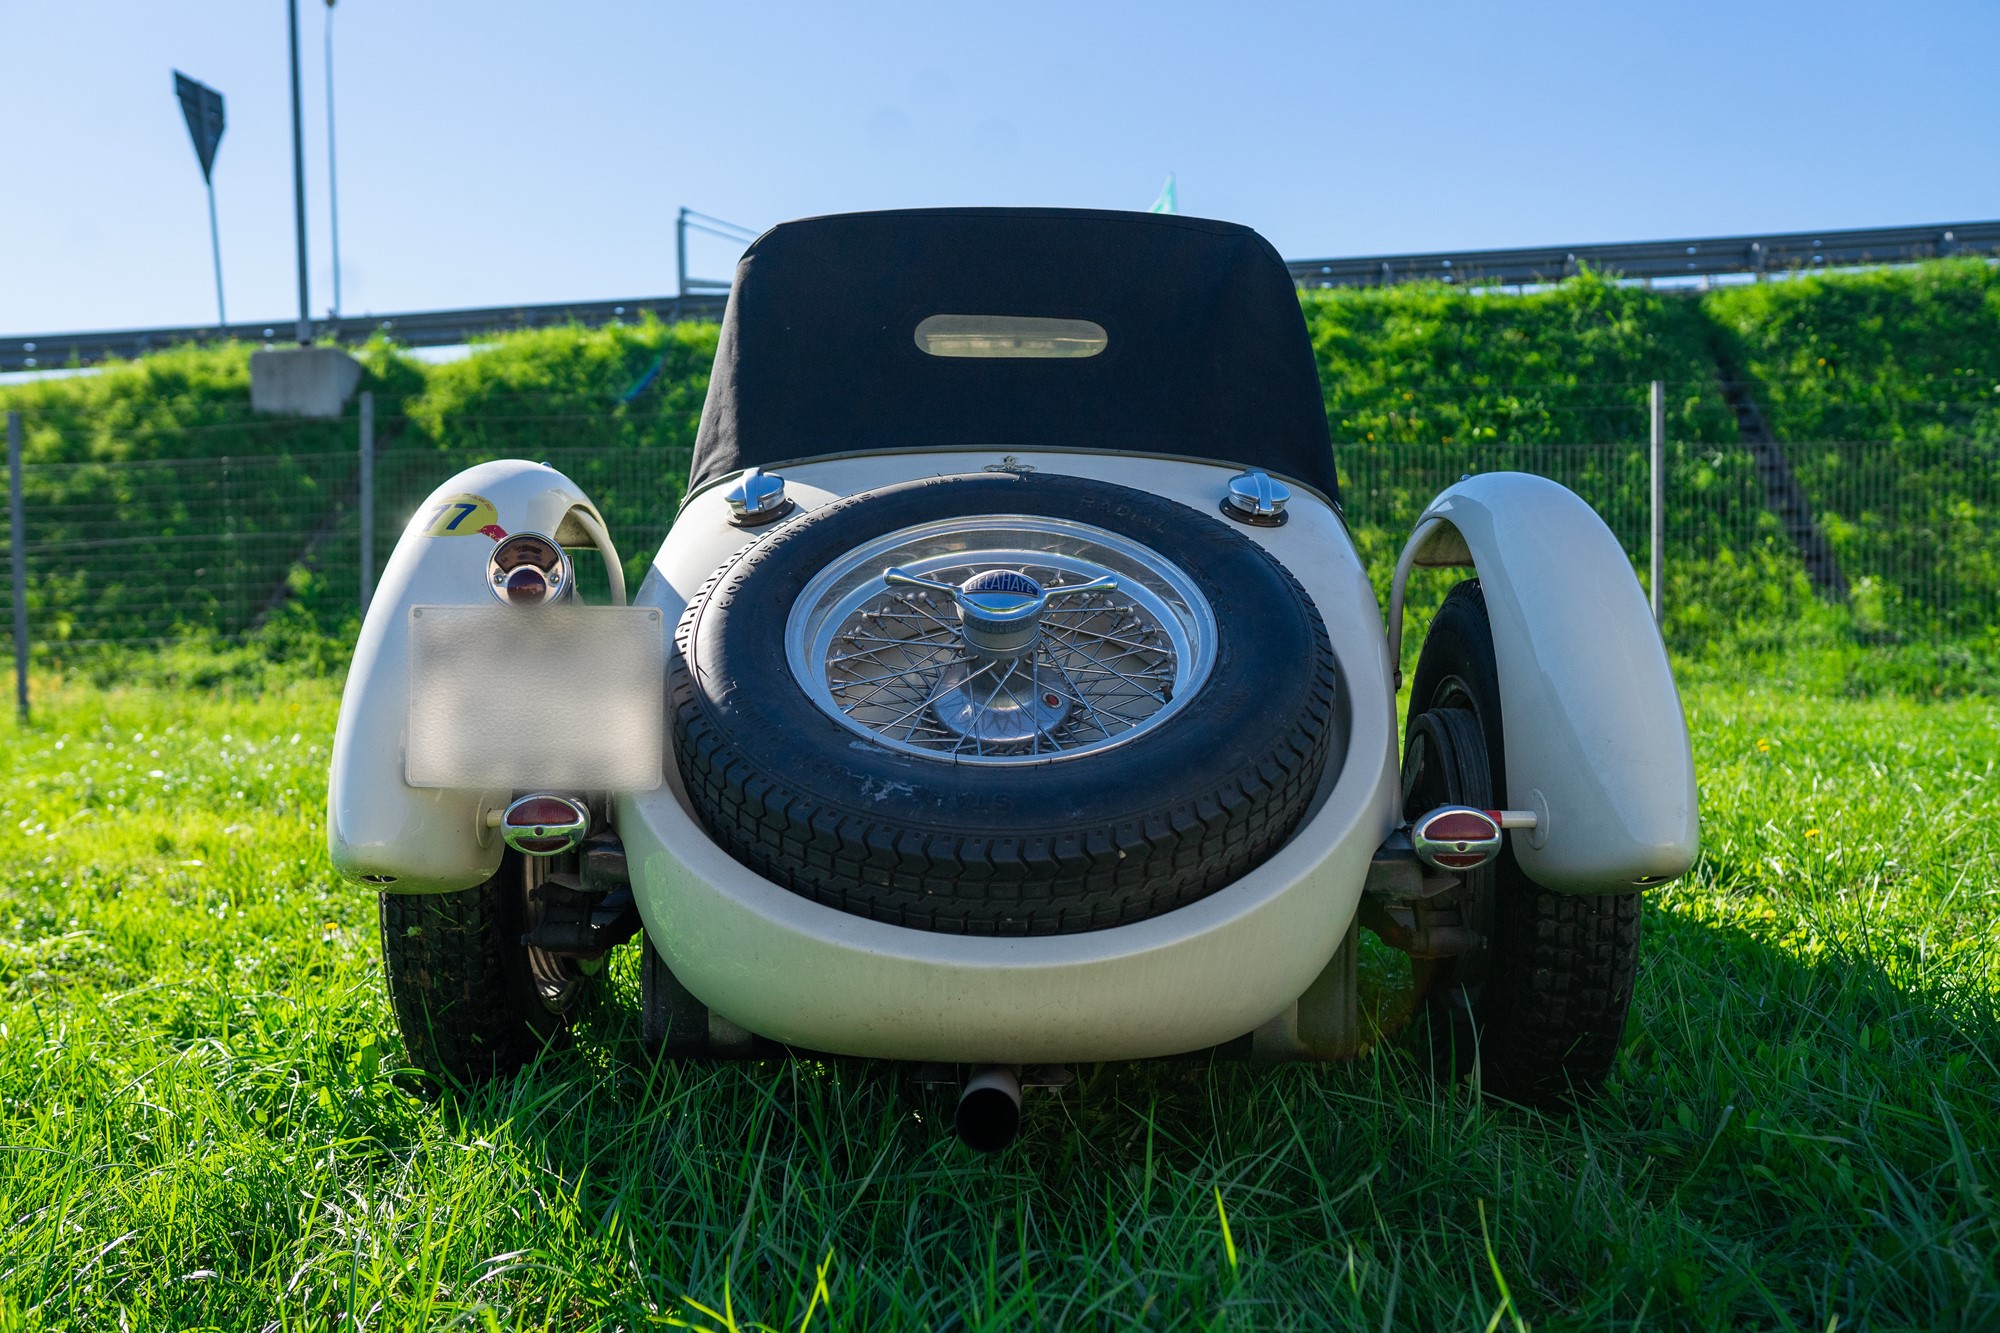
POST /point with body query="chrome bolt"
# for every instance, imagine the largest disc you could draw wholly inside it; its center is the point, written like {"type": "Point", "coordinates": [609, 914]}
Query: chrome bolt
{"type": "Point", "coordinates": [1257, 497]}
{"type": "Point", "coordinates": [757, 497]}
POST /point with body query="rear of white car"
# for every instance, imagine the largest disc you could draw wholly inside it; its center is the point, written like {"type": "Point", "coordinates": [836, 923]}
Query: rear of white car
{"type": "Point", "coordinates": [1009, 693]}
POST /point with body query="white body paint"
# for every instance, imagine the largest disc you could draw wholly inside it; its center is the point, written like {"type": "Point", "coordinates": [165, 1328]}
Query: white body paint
{"type": "Point", "coordinates": [772, 962]}
{"type": "Point", "coordinates": [783, 966]}
{"type": "Point", "coordinates": [380, 829]}
{"type": "Point", "coordinates": [1597, 745]}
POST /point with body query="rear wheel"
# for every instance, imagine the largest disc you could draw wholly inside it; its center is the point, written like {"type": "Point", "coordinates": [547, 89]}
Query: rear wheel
{"type": "Point", "coordinates": [472, 1000]}
{"type": "Point", "coordinates": [672, 1022]}
{"type": "Point", "coordinates": [1541, 1007]}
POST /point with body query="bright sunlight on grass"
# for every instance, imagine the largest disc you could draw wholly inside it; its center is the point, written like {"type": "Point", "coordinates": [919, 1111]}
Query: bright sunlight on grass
{"type": "Point", "coordinates": [206, 1125]}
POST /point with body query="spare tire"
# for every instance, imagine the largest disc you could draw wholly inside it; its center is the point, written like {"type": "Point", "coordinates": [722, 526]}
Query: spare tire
{"type": "Point", "coordinates": [839, 735]}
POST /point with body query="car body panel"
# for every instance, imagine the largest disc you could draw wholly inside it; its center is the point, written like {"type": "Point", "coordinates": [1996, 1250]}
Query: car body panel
{"type": "Point", "coordinates": [381, 830]}
{"type": "Point", "coordinates": [1597, 745]}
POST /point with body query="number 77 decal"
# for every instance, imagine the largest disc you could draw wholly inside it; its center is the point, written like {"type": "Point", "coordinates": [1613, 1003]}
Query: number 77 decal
{"type": "Point", "coordinates": [461, 516]}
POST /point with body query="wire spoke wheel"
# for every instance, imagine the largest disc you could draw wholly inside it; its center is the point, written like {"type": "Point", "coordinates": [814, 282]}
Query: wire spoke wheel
{"type": "Point", "coordinates": [554, 980]}
{"type": "Point", "coordinates": [894, 662]}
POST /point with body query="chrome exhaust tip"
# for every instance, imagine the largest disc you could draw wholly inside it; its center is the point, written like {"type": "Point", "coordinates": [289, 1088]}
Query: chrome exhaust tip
{"type": "Point", "coordinates": [989, 1109]}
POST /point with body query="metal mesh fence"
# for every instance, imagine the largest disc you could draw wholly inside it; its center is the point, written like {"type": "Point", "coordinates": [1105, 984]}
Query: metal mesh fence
{"type": "Point", "coordinates": [131, 550]}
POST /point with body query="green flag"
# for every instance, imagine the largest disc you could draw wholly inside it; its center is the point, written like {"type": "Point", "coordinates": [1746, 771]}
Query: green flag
{"type": "Point", "coordinates": [1165, 203]}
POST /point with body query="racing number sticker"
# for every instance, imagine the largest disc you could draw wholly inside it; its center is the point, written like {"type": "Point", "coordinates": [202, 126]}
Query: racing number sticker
{"type": "Point", "coordinates": [462, 516]}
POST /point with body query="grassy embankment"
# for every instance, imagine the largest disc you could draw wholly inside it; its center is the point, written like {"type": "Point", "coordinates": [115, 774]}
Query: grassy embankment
{"type": "Point", "coordinates": [1425, 383]}
{"type": "Point", "coordinates": [204, 1124]}
{"type": "Point", "coordinates": [128, 460]}
{"type": "Point", "coordinates": [1421, 383]}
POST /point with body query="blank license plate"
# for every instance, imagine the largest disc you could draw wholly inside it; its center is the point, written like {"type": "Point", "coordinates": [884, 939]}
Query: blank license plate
{"type": "Point", "coordinates": [571, 698]}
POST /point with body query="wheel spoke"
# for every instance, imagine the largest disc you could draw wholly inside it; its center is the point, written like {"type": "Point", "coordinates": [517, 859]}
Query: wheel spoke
{"type": "Point", "coordinates": [1124, 676]}
{"type": "Point", "coordinates": [938, 693]}
{"type": "Point", "coordinates": [1077, 696]}
{"type": "Point", "coordinates": [1079, 631]}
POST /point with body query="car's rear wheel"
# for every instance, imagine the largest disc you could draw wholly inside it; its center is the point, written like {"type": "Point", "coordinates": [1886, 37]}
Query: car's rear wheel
{"type": "Point", "coordinates": [857, 717]}
{"type": "Point", "coordinates": [1542, 1006]}
{"type": "Point", "coordinates": [672, 1022]}
{"type": "Point", "coordinates": [472, 1000]}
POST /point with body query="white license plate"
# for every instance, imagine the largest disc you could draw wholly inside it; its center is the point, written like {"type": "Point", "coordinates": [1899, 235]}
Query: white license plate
{"type": "Point", "coordinates": [570, 698]}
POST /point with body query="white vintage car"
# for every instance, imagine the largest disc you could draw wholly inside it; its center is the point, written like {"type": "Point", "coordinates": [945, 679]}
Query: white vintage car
{"type": "Point", "coordinates": [1009, 694]}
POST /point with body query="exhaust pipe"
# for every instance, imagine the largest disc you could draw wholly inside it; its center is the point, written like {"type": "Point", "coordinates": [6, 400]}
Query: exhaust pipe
{"type": "Point", "coordinates": [989, 1109]}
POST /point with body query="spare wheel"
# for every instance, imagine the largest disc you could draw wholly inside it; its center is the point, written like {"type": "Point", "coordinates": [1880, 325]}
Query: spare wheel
{"type": "Point", "coordinates": [980, 743]}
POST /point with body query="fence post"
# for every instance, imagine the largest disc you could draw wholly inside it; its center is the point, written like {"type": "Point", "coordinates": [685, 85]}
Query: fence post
{"type": "Point", "coordinates": [1659, 502]}
{"type": "Point", "coordinates": [681, 257]}
{"type": "Point", "coordinates": [17, 544]}
{"type": "Point", "coordinates": [367, 498]}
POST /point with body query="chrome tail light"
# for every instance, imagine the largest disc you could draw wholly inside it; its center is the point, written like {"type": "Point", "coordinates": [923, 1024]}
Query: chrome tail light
{"type": "Point", "coordinates": [1460, 838]}
{"type": "Point", "coordinates": [544, 824]}
{"type": "Point", "coordinates": [528, 569]}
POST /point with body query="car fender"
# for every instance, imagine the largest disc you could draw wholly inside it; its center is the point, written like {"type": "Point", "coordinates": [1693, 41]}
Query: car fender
{"type": "Point", "coordinates": [1597, 744]}
{"type": "Point", "coordinates": [380, 830]}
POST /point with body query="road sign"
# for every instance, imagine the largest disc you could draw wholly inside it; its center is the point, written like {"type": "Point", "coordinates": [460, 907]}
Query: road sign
{"type": "Point", "coordinates": [202, 106]}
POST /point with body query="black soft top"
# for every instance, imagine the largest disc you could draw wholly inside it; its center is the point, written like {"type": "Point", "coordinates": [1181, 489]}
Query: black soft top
{"type": "Point", "coordinates": [1206, 353]}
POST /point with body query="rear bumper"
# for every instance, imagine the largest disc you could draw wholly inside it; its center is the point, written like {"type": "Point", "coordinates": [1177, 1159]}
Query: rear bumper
{"type": "Point", "coordinates": [811, 976]}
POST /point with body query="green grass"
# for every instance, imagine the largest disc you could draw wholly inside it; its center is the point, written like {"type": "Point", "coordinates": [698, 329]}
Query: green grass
{"type": "Point", "coordinates": [203, 1122]}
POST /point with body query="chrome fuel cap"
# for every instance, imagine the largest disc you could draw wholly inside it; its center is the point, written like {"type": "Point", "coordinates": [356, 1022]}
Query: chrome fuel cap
{"type": "Point", "coordinates": [757, 497]}
{"type": "Point", "coordinates": [1256, 497]}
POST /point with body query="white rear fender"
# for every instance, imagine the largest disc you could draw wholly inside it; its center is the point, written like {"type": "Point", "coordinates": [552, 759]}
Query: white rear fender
{"type": "Point", "coordinates": [380, 830]}
{"type": "Point", "coordinates": [1597, 745]}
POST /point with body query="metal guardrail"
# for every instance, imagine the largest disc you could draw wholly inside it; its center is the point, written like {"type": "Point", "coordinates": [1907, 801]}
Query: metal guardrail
{"type": "Point", "coordinates": [428, 328]}
{"type": "Point", "coordinates": [1703, 257]}
{"type": "Point", "coordinates": [1711, 256]}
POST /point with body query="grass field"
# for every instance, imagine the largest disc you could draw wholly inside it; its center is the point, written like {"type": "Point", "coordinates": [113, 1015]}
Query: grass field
{"type": "Point", "coordinates": [202, 1122]}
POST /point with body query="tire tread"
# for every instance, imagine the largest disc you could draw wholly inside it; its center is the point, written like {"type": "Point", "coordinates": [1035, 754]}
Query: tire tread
{"type": "Point", "coordinates": [456, 974]}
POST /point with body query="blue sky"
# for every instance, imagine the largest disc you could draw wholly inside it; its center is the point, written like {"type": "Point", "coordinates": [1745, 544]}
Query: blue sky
{"type": "Point", "coordinates": [504, 151]}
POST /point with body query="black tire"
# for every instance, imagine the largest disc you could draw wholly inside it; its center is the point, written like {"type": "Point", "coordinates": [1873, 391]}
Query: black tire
{"type": "Point", "coordinates": [672, 1023]}
{"type": "Point", "coordinates": [1543, 1006]}
{"type": "Point", "coordinates": [1076, 844]}
{"type": "Point", "coordinates": [462, 984]}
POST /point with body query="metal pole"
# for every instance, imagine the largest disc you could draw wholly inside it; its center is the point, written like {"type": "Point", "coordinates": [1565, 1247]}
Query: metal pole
{"type": "Point", "coordinates": [299, 181]}
{"type": "Point", "coordinates": [17, 543]}
{"type": "Point", "coordinates": [215, 244]}
{"type": "Point", "coordinates": [332, 179]}
{"type": "Point", "coordinates": [1659, 505]}
{"type": "Point", "coordinates": [367, 498]}
{"type": "Point", "coordinates": [681, 253]}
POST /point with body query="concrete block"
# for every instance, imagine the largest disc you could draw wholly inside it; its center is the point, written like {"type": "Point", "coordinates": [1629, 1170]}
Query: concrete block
{"type": "Point", "coordinates": [302, 381]}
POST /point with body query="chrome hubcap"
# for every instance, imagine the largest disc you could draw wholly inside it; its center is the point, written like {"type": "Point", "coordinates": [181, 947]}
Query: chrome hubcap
{"type": "Point", "coordinates": [1001, 639]}
{"type": "Point", "coordinates": [989, 706]}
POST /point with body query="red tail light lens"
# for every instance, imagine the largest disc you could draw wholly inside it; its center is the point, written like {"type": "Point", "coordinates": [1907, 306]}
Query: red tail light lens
{"type": "Point", "coordinates": [544, 824]}
{"type": "Point", "coordinates": [1456, 837]}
